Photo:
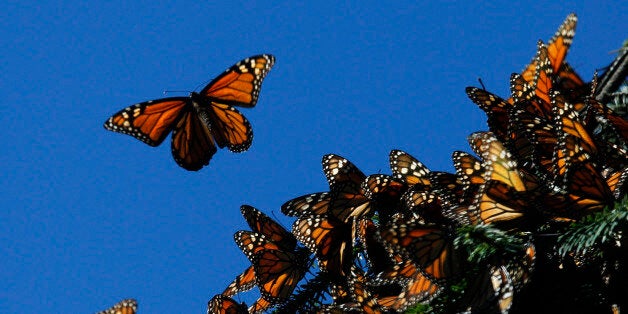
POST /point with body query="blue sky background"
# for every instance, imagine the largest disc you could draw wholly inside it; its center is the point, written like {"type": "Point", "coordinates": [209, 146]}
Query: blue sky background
{"type": "Point", "coordinates": [90, 217]}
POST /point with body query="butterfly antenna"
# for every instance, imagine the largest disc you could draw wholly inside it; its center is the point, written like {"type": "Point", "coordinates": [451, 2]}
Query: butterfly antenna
{"type": "Point", "coordinates": [175, 91]}
{"type": "Point", "coordinates": [277, 219]}
{"type": "Point", "coordinates": [481, 83]}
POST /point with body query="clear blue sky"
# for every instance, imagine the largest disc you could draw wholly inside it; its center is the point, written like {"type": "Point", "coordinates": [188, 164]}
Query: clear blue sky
{"type": "Point", "coordinates": [90, 217]}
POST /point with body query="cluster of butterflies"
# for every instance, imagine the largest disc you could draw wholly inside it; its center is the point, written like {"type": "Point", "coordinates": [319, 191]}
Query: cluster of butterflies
{"type": "Point", "coordinates": [387, 242]}
{"type": "Point", "coordinates": [203, 120]}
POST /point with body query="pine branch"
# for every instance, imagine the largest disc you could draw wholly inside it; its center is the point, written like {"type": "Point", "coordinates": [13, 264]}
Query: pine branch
{"type": "Point", "coordinates": [595, 229]}
{"type": "Point", "coordinates": [484, 242]}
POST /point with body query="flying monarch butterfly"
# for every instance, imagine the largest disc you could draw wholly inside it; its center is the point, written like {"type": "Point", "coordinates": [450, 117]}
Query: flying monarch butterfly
{"type": "Point", "coordinates": [221, 304]}
{"type": "Point", "coordinates": [330, 239]}
{"type": "Point", "coordinates": [128, 306]}
{"type": "Point", "coordinates": [429, 246]}
{"type": "Point", "coordinates": [202, 120]}
{"type": "Point", "coordinates": [408, 169]}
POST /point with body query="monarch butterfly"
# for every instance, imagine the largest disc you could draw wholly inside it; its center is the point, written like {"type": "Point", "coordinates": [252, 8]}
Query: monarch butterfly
{"type": "Point", "coordinates": [505, 194]}
{"type": "Point", "coordinates": [261, 223]}
{"type": "Point", "coordinates": [383, 192]}
{"type": "Point", "coordinates": [424, 205]}
{"type": "Point", "coordinates": [408, 169]}
{"type": "Point", "coordinates": [470, 170]}
{"type": "Point", "coordinates": [491, 292]}
{"type": "Point", "coordinates": [202, 120]}
{"type": "Point", "coordinates": [544, 74]}
{"type": "Point", "coordinates": [259, 306]}
{"type": "Point", "coordinates": [274, 237]}
{"type": "Point", "coordinates": [496, 110]}
{"type": "Point", "coordinates": [221, 304]}
{"type": "Point", "coordinates": [277, 271]}
{"type": "Point", "coordinates": [364, 300]}
{"type": "Point", "coordinates": [377, 256]}
{"type": "Point", "coordinates": [448, 184]}
{"type": "Point", "coordinates": [310, 204]}
{"type": "Point", "coordinates": [345, 184]}
{"type": "Point", "coordinates": [525, 95]}
{"type": "Point", "coordinates": [557, 47]}
{"type": "Point", "coordinates": [612, 119]}
{"type": "Point", "coordinates": [617, 183]}
{"type": "Point", "coordinates": [532, 139]}
{"type": "Point", "coordinates": [243, 282]}
{"type": "Point", "coordinates": [330, 239]}
{"type": "Point", "coordinates": [128, 306]}
{"type": "Point", "coordinates": [430, 246]}
{"type": "Point", "coordinates": [575, 144]}
{"type": "Point", "coordinates": [416, 287]}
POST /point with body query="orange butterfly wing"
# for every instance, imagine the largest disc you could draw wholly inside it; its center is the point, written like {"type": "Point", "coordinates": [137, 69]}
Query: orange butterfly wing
{"type": "Point", "coordinates": [245, 281]}
{"type": "Point", "coordinates": [150, 121]}
{"type": "Point", "coordinates": [240, 84]}
{"type": "Point", "coordinates": [237, 86]}
{"type": "Point", "coordinates": [192, 144]}
{"type": "Point", "coordinates": [221, 304]}
{"type": "Point", "coordinates": [128, 306]}
{"type": "Point", "coordinates": [229, 127]}
{"type": "Point", "coordinates": [278, 273]}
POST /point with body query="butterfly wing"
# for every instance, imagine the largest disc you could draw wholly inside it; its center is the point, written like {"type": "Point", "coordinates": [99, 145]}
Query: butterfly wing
{"type": "Point", "coordinates": [128, 306]}
{"type": "Point", "coordinates": [345, 184]}
{"type": "Point", "coordinates": [240, 84]}
{"type": "Point", "coordinates": [244, 282]}
{"type": "Point", "coordinates": [192, 144]}
{"type": "Point", "coordinates": [310, 204]}
{"type": "Point", "coordinates": [221, 304]}
{"type": "Point", "coordinates": [261, 223]}
{"type": "Point", "coordinates": [278, 273]}
{"type": "Point", "coordinates": [495, 107]}
{"type": "Point", "coordinates": [252, 242]}
{"type": "Point", "coordinates": [229, 127]}
{"type": "Point", "coordinates": [150, 121]}
{"type": "Point", "coordinates": [330, 239]}
{"type": "Point", "coordinates": [408, 169]}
